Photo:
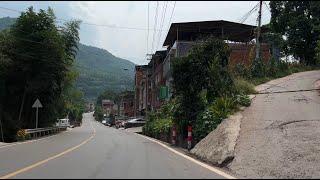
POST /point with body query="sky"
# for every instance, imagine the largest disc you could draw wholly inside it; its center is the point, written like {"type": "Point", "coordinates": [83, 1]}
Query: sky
{"type": "Point", "coordinates": [102, 19]}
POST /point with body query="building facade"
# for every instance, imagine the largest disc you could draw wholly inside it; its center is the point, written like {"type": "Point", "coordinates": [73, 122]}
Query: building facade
{"type": "Point", "coordinates": [153, 81]}
{"type": "Point", "coordinates": [108, 107]}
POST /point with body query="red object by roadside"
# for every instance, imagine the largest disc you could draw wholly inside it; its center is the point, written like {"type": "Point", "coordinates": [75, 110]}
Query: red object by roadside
{"type": "Point", "coordinates": [174, 134]}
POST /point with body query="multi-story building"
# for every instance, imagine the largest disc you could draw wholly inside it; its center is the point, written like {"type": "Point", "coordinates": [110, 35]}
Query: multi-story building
{"type": "Point", "coordinates": [141, 89]}
{"type": "Point", "coordinates": [155, 78]}
{"type": "Point", "coordinates": [240, 38]}
{"type": "Point", "coordinates": [127, 104]}
{"type": "Point", "coordinates": [107, 106]}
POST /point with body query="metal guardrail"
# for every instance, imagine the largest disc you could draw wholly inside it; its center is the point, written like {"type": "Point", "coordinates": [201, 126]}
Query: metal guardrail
{"type": "Point", "coordinates": [44, 131]}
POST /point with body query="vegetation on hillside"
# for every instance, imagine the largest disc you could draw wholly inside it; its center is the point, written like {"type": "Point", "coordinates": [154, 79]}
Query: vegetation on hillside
{"type": "Point", "coordinates": [98, 69]}
{"type": "Point", "coordinates": [36, 59]}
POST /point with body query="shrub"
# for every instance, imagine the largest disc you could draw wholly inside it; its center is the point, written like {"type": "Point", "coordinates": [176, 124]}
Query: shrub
{"type": "Point", "coordinates": [258, 69]}
{"type": "Point", "coordinates": [159, 123]}
{"type": "Point", "coordinates": [240, 70]}
{"type": "Point", "coordinates": [223, 106]}
{"type": "Point", "coordinates": [98, 113]}
{"type": "Point", "coordinates": [206, 122]}
{"type": "Point", "coordinates": [21, 135]}
{"type": "Point", "coordinates": [243, 100]}
{"type": "Point", "coordinates": [244, 87]}
{"type": "Point", "coordinates": [157, 128]}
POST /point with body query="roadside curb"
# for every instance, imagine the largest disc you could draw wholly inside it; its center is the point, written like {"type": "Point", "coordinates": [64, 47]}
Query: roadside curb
{"type": "Point", "coordinates": [188, 156]}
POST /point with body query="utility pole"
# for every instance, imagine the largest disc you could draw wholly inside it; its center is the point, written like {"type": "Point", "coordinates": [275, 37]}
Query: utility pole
{"type": "Point", "coordinates": [258, 33]}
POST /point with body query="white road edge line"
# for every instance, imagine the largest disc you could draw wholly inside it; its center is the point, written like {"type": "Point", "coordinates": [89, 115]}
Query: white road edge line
{"type": "Point", "coordinates": [215, 170]}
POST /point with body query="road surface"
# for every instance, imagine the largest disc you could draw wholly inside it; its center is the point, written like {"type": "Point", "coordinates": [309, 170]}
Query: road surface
{"type": "Point", "coordinates": [96, 151]}
{"type": "Point", "coordinates": [280, 132]}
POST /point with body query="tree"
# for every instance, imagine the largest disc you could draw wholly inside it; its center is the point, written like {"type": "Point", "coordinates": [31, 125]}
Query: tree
{"type": "Point", "coordinates": [40, 56]}
{"type": "Point", "coordinates": [202, 73]}
{"type": "Point", "coordinates": [299, 22]}
{"type": "Point", "coordinates": [107, 94]}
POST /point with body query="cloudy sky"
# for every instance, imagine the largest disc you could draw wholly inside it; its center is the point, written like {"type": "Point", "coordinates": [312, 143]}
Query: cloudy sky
{"type": "Point", "coordinates": [101, 20]}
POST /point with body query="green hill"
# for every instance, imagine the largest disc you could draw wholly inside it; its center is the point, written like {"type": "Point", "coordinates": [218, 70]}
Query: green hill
{"type": "Point", "coordinates": [98, 68]}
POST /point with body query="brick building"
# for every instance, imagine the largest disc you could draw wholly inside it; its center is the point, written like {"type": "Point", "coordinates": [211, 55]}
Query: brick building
{"type": "Point", "coordinates": [107, 106]}
{"type": "Point", "coordinates": [127, 104]}
{"type": "Point", "coordinates": [154, 78]}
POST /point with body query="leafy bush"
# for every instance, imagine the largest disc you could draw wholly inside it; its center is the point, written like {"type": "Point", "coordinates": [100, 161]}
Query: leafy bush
{"type": "Point", "coordinates": [243, 100]}
{"type": "Point", "coordinates": [21, 135]}
{"type": "Point", "coordinates": [223, 106]}
{"type": "Point", "coordinates": [159, 123]}
{"type": "Point", "coordinates": [241, 70]}
{"type": "Point", "coordinates": [213, 115]}
{"type": "Point", "coordinates": [158, 127]}
{"type": "Point", "coordinates": [206, 122]}
{"type": "Point", "coordinates": [244, 86]}
{"type": "Point", "coordinates": [98, 113]}
{"type": "Point", "coordinates": [258, 68]}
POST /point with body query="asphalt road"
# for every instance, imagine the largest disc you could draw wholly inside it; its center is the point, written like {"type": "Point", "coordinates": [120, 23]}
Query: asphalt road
{"type": "Point", "coordinates": [280, 132]}
{"type": "Point", "coordinates": [96, 151]}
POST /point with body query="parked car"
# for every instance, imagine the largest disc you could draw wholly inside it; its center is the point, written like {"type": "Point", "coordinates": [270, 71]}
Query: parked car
{"type": "Point", "coordinates": [63, 123]}
{"type": "Point", "coordinates": [110, 122]}
{"type": "Point", "coordinates": [136, 122]}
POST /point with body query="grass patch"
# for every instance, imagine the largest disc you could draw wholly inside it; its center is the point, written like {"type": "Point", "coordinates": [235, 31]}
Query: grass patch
{"type": "Point", "coordinates": [244, 87]}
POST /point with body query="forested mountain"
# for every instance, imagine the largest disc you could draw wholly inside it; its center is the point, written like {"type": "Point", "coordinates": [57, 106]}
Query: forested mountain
{"type": "Point", "coordinates": [98, 69]}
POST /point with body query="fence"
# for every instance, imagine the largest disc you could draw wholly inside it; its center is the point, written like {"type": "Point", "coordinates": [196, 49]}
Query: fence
{"type": "Point", "coordinates": [44, 131]}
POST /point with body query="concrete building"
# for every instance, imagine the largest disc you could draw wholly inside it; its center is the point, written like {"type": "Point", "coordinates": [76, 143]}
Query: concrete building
{"type": "Point", "coordinates": [153, 81]}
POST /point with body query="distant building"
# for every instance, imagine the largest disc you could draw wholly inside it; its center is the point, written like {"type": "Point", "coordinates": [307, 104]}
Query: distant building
{"type": "Point", "coordinates": [141, 89]}
{"type": "Point", "coordinates": [107, 106]}
{"type": "Point", "coordinates": [127, 104]}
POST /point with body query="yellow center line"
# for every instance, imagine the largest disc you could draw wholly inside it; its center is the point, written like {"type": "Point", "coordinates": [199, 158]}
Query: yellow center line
{"type": "Point", "coordinates": [50, 158]}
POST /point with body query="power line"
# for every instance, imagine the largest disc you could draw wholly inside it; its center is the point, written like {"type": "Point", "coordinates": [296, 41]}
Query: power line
{"type": "Point", "coordinates": [155, 25]}
{"type": "Point", "coordinates": [162, 20]}
{"type": "Point", "coordinates": [267, 6]}
{"type": "Point", "coordinates": [148, 29]}
{"type": "Point", "coordinates": [100, 25]}
{"type": "Point", "coordinates": [172, 12]}
{"type": "Point", "coordinates": [245, 17]}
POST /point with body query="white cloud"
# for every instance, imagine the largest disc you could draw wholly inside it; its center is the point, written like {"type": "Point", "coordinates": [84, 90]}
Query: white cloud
{"type": "Point", "coordinates": [132, 43]}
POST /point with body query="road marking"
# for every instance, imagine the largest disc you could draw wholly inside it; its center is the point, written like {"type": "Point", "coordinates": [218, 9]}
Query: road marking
{"type": "Point", "coordinates": [26, 142]}
{"type": "Point", "coordinates": [215, 170]}
{"type": "Point", "coordinates": [50, 158]}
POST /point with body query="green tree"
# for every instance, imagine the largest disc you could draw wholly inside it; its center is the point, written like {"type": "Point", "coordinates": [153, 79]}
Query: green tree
{"type": "Point", "coordinates": [299, 22]}
{"type": "Point", "coordinates": [199, 78]}
{"type": "Point", "coordinates": [40, 55]}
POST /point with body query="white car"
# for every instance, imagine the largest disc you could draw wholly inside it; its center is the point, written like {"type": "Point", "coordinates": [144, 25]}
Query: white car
{"type": "Point", "coordinates": [63, 123]}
